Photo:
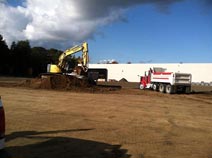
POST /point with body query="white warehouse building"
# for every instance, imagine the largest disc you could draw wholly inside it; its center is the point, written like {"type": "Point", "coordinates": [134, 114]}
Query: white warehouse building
{"type": "Point", "coordinates": [201, 72]}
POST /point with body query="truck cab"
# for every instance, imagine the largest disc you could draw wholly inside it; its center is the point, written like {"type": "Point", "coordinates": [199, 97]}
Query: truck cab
{"type": "Point", "coordinates": [145, 81]}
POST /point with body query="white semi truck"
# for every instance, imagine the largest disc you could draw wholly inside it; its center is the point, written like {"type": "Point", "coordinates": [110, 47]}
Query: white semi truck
{"type": "Point", "coordinates": [169, 82]}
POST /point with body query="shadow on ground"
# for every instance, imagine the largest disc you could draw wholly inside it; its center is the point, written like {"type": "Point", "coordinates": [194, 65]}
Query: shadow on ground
{"type": "Point", "coordinates": [62, 147]}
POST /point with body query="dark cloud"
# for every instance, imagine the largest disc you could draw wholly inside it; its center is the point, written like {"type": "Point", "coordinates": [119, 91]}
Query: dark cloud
{"type": "Point", "coordinates": [100, 8]}
{"type": "Point", "coordinates": [208, 2]}
{"type": "Point", "coordinates": [61, 22]}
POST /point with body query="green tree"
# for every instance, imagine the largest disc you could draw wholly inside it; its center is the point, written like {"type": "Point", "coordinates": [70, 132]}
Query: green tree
{"type": "Point", "coordinates": [22, 60]}
{"type": "Point", "coordinates": [53, 55]}
{"type": "Point", "coordinates": [38, 60]}
{"type": "Point", "coordinates": [21, 53]}
{"type": "Point", "coordinates": [12, 58]}
{"type": "Point", "coordinates": [4, 57]}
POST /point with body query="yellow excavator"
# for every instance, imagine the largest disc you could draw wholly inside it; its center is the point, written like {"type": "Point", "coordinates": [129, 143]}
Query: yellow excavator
{"type": "Point", "coordinates": [60, 76]}
{"type": "Point", "coordinates": [62, 66]}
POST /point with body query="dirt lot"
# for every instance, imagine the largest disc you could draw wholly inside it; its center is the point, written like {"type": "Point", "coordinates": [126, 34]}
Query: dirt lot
{"type": "Point", "coordinates": [113, 124]}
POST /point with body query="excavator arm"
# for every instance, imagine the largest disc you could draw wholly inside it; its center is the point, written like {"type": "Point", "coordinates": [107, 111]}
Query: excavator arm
{"type": "Point", "coordinates": [73, 50]}
{"type": "Point", "coordinates": [61, 63]}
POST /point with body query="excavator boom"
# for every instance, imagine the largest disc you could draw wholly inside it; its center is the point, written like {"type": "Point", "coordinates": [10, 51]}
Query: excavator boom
{"type": "Point", "coordinates": [73, 50]}
{"type": "Point", "coordinates": [62, 63]}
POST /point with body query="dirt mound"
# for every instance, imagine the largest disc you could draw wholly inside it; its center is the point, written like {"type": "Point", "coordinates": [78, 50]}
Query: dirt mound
{"type": "Point", "coordinates": [72, 83]}
{"type": "Point", "coordinates": [57, 82]}
{"type": "Point", "coordinates": [123, 80]}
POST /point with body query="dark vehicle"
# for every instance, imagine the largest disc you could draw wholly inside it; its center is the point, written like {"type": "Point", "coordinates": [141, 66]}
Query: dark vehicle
{"type": "Point", "coordinates": [2, 125]}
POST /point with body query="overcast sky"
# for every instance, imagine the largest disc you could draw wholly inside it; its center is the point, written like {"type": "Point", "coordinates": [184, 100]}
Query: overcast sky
{"type": "Point", "coordinates": [124, 30]}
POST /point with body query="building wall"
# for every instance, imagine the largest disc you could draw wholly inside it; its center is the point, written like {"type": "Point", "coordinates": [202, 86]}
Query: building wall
{"type": "Point", "coordinates": [132, 72]}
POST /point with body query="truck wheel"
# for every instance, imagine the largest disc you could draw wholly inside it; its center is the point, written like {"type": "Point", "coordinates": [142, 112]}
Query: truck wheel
{"type": "Point", "coordinates": [162, 88]}
{"type": "Point", "coordinates": [188, 90]}
{"type": "Point", "coordinates": [141, 86]}
{"type": "Point", "coordinates": [155, 87]}
{"type": "Point", "coordinates": [169, 89]}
